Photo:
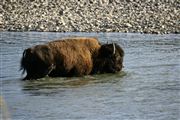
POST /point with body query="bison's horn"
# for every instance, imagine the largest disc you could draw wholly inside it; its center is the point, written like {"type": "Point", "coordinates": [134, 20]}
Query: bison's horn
{"type": "Point", "coordinates": [114, 49]}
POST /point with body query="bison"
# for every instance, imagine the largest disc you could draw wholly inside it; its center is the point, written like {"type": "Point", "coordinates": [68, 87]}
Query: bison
{"type": "Point", "coordinates": [109, 59]}
{"type": "Point", "coordinates": [75, 56]}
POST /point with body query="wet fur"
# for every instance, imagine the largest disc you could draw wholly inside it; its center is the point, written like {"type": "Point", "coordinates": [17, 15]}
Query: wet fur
{"type": "Point", "coordinates": [67, 57]}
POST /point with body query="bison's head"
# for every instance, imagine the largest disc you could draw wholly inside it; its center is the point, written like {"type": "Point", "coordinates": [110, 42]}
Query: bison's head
{"type": "Point", "coordinates": [109, 59]}
{"type": "Point", "coordinates": [37, 61]}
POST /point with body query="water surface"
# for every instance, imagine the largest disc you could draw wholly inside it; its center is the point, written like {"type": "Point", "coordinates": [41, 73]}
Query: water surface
{"type": "Point", "coordinates": [148, 88]}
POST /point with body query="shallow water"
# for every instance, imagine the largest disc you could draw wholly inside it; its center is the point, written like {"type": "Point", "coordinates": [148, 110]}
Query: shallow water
{"type": "Point", "coordinates": [148, 88]}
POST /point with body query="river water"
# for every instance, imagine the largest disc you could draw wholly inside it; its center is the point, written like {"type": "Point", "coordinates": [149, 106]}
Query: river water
{"type": "Point", "coordinates": [148, 88]}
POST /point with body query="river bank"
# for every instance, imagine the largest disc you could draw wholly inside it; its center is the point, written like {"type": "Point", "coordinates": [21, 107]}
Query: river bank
{"type": "Point", "coordinates": [140, 16]}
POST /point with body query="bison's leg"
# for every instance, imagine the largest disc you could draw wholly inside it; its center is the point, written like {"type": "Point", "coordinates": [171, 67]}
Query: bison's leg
{"type": "Point", "coordinates": [37, 72]}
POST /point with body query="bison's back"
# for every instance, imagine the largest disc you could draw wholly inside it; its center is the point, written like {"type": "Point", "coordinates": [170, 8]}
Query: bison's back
{"type": "Point", "coordinates": [73, 56]}
{"type": "Point", "coordinates": [91, 43]}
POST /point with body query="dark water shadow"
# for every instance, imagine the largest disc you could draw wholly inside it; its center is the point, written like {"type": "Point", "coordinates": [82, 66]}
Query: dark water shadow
{"type": "Point", "coordinates": [50, 86]}
{"type": "Point", "coordinates": [109, 78]}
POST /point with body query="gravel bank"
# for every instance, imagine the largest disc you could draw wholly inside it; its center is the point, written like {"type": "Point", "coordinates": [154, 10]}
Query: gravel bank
{"type": "Point", "coordinates": [144, 16]}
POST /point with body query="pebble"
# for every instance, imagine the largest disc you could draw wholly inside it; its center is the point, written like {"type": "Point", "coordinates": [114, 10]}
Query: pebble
{"type": "Point", "coordinates": [151, 16]}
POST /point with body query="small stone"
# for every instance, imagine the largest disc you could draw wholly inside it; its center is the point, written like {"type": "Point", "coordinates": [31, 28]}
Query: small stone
{"type": "Point", "coordinates": [128, 25]}
{"type": "Point", "coordinates": [41, 27]}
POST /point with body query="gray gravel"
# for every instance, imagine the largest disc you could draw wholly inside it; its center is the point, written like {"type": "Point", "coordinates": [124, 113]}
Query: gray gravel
{"type": "Point", "coordinates": [142, 16]}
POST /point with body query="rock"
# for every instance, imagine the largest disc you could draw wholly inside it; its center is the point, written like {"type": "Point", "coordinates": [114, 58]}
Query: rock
{"type": "Point", "coordinates": [128, 25]}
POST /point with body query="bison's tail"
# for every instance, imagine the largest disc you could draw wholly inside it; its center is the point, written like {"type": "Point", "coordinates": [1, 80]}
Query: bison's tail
{"type": "Point", "coordinates": [23, 66]}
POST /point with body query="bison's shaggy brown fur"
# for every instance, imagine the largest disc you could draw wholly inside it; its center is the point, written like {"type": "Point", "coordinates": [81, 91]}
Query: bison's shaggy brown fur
{"type": "Point", "coordinates": [75, 56]}
{"type": "Point", "coordinates": [65, 57]}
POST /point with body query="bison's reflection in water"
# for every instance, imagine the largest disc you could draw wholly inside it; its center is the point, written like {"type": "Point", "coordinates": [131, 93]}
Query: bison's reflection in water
{"type": "Point", "coordinates": [51, 86]}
